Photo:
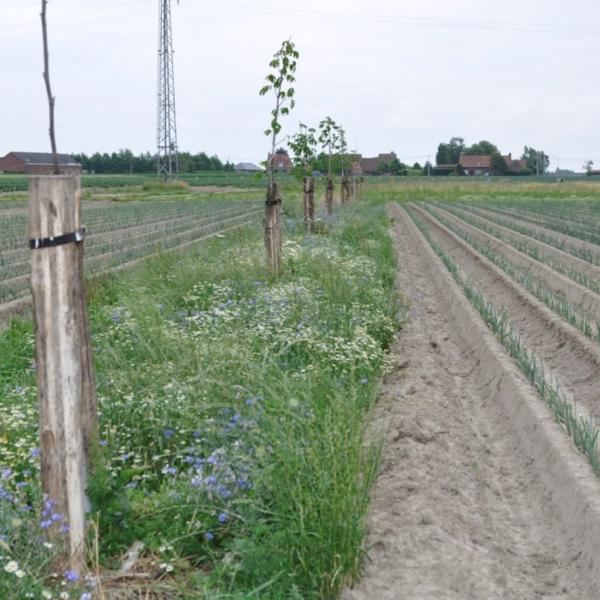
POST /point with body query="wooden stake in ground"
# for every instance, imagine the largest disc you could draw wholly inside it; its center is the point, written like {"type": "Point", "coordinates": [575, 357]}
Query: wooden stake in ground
{"type": "Point", "coordinates": [360, 187]}
{"type": "Point", "coordinates": [329, 196]}
{"type": "Point", "coordinates": [66, 391]}
{"type": "Point", "coordinates": [309, 204]}
{"type": "Point", "coordinates": [345, 189]}
{"type": "Point", "coordinates": [273, 227]}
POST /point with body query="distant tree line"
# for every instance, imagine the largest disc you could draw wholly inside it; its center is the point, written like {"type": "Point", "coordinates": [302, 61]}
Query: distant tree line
{"type": "Point", "coordinates": [124, 161]}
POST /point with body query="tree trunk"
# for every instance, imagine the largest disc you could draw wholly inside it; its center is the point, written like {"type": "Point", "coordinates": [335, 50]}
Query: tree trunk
{"type": "Point", "coordinates": [309, 204]}
{"type": "Point", "coordinates": [329, 196]}
{"type": "Point", "coordinates": [273, 239]}
{"type": "Point", "coordinates": [66, 390]}
{"type": "Point", "coordinates": [360, 185]}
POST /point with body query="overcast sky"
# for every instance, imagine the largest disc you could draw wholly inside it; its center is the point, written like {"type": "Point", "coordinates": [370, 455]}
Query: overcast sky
{"type": "Point", "coordinates": [397, 75]}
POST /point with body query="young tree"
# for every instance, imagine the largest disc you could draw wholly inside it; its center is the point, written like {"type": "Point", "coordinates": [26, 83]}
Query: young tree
{"type": "Point", "coordinates": [304, 147]}
{"type": "Point", "coordinates": [588, 166]}
{"type": "Point", "coordinates": [329, 140]}
{"type": "Point", "coordinates": [280, 84]}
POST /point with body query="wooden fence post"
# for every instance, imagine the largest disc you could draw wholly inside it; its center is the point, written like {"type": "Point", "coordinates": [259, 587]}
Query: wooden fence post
{"type": "Point", "coordinates": [273, 238]}
{"type": "Point", "coordinates": [66, 389]}
{"type": "Point", "coordinates": [362, 180]}
{"type": "Point", "coordinates": [329, 196]}
{"type": "Point", "coordinates": [309, 204]}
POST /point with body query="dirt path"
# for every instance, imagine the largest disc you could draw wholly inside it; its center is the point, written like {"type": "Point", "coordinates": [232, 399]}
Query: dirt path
{"type": "Point", "coordinates": [465, 506]}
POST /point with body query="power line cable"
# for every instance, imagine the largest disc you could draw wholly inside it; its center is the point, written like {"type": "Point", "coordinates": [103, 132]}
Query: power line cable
{"type": "Point", "coordinates": [400, 19]}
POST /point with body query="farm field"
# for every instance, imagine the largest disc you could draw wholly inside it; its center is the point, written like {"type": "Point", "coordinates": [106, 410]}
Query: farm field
{"type": "Point", "coordinates": [16, 183]}
{"type": "Point", "coordinates": [409, 411]}
{"type": "Point", "coordinates": [491, 463]}
{"type": "Point", "coordinates": [119, 234]}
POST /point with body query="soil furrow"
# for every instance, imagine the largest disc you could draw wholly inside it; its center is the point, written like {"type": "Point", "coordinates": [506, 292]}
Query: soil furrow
{"type": "Point", "coordinates": [581, 297]}
{"type": "Point", "coordinates": [561, 238]}
{"type": "Point", "coordinates": [568, 356]}
{"type": "Point", "coordinates": [555, 255]}
{"type": "Point", "coordinates": [470, 504]}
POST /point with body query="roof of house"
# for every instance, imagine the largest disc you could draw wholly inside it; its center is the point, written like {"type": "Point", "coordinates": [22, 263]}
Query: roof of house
{"type": "Point", "coordinates": [45, 158]}
{"type": "Point", "coordinates": [475, 161]}
{"type": "Point", "coordinates": [246, 166]}
{"type": "Point", "coordinates": [372, 164]}
{"type": "Point", "coordinates": [281, 161]}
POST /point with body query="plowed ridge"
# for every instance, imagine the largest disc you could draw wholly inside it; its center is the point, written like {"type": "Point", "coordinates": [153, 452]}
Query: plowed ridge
{"type": "Point", "coordinates": [481, 494]}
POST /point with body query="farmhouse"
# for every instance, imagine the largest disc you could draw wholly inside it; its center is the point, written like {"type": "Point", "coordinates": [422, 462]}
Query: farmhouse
{"type": "Point", "coordinates": [38, 163]}
{"type": "Point", "coordinates": [281, 162]}
{"type": "Point", "coordinates": [476, 164]}
{"type": "Point", "coordinates": [371, 166]}
{"type": "Point", "coordinates": [246, 167]}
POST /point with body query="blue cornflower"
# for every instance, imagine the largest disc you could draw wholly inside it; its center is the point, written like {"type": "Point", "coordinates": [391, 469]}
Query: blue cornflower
{"type": "Point", "coordinates": [223, 517]}
{"type": "Point", "coordinates": [46, 523]}
{"type": "Point", "coordinates": [208, 536]}
{"type": "Point", "coordinates": [34, 452]}
{"type": "Point", "coordinates": [71, 575]}
{"type": "Point", "coordinates": [103, 442]}
{"type": "Point", "coordinates": [168, 433]}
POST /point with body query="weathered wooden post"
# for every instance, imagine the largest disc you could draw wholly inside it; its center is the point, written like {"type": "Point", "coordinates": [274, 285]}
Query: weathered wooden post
{"type": "Point", "coordinates": [66, 390]}
{"type": "Point", "coordinates": [309, 204]}
{"type": "Point", "coordinates": [345, 189]}
{"type": "Point", "coordinates": [329, 196]}
{"type": "Point", "coordinates": [273, 238]}
{"type": "Point", "coordinates": [360, 185]}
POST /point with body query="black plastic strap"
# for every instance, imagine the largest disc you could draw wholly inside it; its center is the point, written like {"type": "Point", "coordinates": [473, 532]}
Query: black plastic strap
{"type": "Point", "coordinates": [69, 238]}
{"type": "Point", "coordinates": [273, 202]}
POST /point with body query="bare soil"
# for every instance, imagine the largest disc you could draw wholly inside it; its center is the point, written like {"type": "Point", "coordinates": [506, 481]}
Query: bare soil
{"type": "Point", "coordinates": [480, 495]}
{"type": "Point", "coordinates": [569, 358]}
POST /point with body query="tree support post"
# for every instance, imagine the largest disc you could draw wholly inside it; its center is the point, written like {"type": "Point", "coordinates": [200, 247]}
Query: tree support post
{"type": "Point", "coordinates": [309, 204]}
{"type": "Point", "coordinates": [345, 189]}
{"type": "Point", "coordinates": [329, 196]}
{"type": "Point", "coordinates": [360, 185]}
{"type": "Point", "coordinates": [273, 239]}
{"type": "Point", "coordinates": [66, 390]}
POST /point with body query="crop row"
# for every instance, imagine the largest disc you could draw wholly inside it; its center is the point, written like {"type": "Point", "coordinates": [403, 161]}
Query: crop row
{"type": "Point", "coordinates": [109, 247]}
{"type": "Point", "coordinates": [582, 430]}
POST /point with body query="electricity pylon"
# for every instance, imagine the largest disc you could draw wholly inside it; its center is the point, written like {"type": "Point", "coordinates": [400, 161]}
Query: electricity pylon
{"type": "Point", "coordinates": [166, 133]}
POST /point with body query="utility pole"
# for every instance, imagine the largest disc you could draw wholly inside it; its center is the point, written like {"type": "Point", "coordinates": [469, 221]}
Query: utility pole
{"type": "Point", "coordinates": [166, 135]}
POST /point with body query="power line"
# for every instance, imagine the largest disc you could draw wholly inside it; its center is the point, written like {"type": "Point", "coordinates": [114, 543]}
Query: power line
{"type": "Point", "coordinates": [32, 28]}
{"type": "Point", "coordinates": [494, 25]}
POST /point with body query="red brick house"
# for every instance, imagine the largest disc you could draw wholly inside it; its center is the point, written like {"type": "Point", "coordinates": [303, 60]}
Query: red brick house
{"type": "Point", "coordinates": [477, 164]}
{"type": "Point", "coordinates": [281, 162]}
{"type": "Point", "coordinates": [38, 163]}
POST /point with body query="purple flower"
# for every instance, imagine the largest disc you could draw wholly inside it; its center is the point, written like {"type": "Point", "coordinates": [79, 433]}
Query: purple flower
{"type": "Point", "coordinates": [34, 452]}
{"type": "Point", "coordinates": [223, 517]}
{"type": "Point", "coordinates": [71, 575]}
{"type": "Point", "coordinates": [170, 470]}
{"type": "Point", "coordinates": [56, 517]}
{"type": "Point", "coordinates": [103, 442]}
{"type": "Point", "coordinates": [19, 389]}
{"type": "Point", "coordinates": [6, 473]}
{"type": "Point", "coordinates": [46, 523]}
{"type": "Point", "coordinates": [208, 536]}
{"type": "Point", "coordinates": [168, 433]}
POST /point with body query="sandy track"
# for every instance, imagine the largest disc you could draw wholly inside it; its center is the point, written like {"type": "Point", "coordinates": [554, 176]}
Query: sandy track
{"type": "Point", "coordinates": [479, 495]}
{"type": "Point", "coordinates": [581, 297]}
{"type": "Point", "coordinates": [560, 238]}
{"type": "Point", "coordinates": [567, 355]}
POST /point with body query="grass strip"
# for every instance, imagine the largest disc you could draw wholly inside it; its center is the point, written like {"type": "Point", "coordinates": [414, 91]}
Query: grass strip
{"type": "Point", "coordinates": [233, 410]}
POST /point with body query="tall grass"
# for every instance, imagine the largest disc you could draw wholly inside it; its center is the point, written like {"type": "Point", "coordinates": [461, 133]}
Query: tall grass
{"type": "Point", "coordinates": [233, 409]}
